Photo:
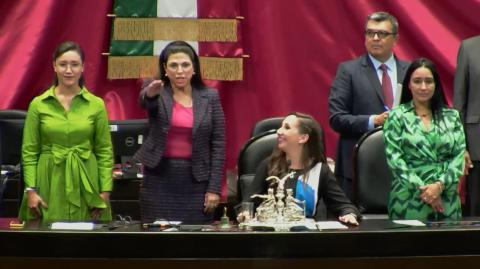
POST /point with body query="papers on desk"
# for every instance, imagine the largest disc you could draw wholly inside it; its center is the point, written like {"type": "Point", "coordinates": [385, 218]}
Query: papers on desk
{"type": "Point", "coordinates": [330, 225]}
{"type": "Point", "coordinates": [409, 222]}
{"type": "Point", "coordinates": [310, 225]}
{"type": "Point", "coordinates": [83, 226]}
{"type": "Point", "coordinates": [303, 225]}
{"type": "Point", "coordinates": [167, 222]}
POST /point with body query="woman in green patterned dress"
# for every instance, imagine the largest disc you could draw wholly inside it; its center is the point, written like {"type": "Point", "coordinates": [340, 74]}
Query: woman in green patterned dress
{"type": "Point", "coordinates": [67, 150]}
{"type": "Point", "coordinates": [425, 147]}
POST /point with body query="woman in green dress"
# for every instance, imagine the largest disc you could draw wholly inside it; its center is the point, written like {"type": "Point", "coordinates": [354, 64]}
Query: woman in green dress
{"type": "Point", "coordinates": [425, 147]}
{"type": "Point", "coordinates": [67, 151]}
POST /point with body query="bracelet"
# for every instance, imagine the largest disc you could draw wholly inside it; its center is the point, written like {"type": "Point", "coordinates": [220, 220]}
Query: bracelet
{"type": "Point", "coordinates": [29, 189]}
{"type": "Point", "coordinates": [441, 185]}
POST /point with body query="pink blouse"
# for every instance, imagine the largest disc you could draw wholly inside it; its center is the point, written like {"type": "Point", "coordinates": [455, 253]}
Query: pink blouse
{"type": "Point", "coordinates": [179, 140]}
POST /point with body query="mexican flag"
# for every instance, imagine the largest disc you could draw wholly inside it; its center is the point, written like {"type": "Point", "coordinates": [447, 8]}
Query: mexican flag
{"type": "Point", "coordinates": [142, 28]}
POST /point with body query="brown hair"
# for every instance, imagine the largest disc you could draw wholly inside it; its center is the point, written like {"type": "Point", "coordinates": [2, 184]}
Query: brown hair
{"type": "Point", "coordinates": [61, 49]}
{"type": "Point", "coordinates": [313, 150]}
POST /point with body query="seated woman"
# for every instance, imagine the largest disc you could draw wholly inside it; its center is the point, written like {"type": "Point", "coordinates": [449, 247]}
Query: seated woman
{"type": "Point", "coordinates": [425, 146]}
{"type": "Point", "coordinates": [300, 151]}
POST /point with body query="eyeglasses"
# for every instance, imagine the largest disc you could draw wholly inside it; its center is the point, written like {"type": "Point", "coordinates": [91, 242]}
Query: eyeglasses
{"type": "Point", "coordinates": [72, 65]}
{"type": "Point", "coordinates": [381, 34]}
{"type": "Point", "coordinates": [175, 66]}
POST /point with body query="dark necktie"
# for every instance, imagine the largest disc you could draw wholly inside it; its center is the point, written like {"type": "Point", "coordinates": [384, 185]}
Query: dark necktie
{"type": "Point", "coordinates": [386, 87]}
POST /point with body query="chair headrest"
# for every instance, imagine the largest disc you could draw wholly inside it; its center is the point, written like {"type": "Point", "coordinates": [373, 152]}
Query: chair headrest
{"type": "Point", "coordinates": [372, 174]}
{"type": "Point", "coordinates": [266, 125]}
{"type": "Point", "coordinates": [255, 150]}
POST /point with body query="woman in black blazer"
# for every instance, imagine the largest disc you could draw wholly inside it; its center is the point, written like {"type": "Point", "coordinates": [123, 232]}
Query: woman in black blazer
{"type": "Point", "coordinates": [300, 152]}
{"type": "Point", "coordinates": [184, 153]}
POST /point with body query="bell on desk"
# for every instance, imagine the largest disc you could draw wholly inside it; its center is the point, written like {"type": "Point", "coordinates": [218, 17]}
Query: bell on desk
{"type": "Point", "coordinates": [224, 220]}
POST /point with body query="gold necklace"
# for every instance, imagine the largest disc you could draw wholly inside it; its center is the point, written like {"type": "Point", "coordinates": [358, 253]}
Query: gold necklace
{"type": "Point", "coordinates": [425, 115]}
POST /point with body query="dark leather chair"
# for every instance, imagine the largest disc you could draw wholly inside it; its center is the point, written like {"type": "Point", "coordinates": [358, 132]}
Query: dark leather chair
{"type": "Point", "coordinates": [11, 183]}
{"type": "Point", "coordinates": [252, 154]}
{"type": "Point", "coordinates": [13, 114]}
{"type": "Point", "coordinates": [266, 125]}
{"type": "Point", "coordinates": [372, 175]}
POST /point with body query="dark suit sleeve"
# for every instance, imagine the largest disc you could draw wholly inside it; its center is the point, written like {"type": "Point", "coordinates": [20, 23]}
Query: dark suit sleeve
{"type": "Point", "coordinates": [334, 198]}
{"type": "Point", "coordinates": [149, 103]}
{"type": "Point", "coordinates": [461, 83]}
{"type": "Point", "coordinates": [217, 142]}
{"type": "Point", "coordinates": [340, 102]}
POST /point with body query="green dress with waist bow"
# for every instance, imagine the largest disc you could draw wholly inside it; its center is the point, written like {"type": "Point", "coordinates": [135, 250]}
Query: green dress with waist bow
{"type": "Point", "coordinates": [418, 157]}
{"type": "Point", "coordinates": [67, 156]}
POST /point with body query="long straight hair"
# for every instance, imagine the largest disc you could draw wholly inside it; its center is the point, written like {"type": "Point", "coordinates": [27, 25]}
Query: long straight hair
{"type": "Point", "coordinates": [438, 99]}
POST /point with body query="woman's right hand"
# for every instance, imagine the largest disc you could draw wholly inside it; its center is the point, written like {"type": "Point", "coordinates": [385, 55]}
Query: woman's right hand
{"type": "Point", "coordinates": [154, 88]}
{"type": "Point", "coordinates": [437, 205]}
{"type": "Point", "coordinates": [350, 218]}
{"type": "Point", "coordinates": [34, 203]}
{"type": "Point", "coordinates": [468, 163]}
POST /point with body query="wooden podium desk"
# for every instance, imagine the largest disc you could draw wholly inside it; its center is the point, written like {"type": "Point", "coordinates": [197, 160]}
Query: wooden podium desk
{"type": "Point", "coordinates": [374, 244]}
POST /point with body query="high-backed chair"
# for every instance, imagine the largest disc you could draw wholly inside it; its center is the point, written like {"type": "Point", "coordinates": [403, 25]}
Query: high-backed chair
{"type": "Point", "coordinates": [266, 125]}
{"type": "Point", "coordinates": [14, 120]}
{"type": "Point", "coordinates": [372, 176]}
{"type": "Point", "coordinates": [252, 154]}
{"type": "Point", "coordinates": [11, 184]}
{"type": "Point", "coordinates": [12, 114]}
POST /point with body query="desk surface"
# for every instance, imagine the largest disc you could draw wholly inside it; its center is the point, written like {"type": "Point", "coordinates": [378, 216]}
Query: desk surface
{"type": "Point", "coordinates": [373, 238]}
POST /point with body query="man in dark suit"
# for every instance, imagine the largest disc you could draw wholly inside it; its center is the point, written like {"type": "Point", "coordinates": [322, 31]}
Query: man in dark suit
{"type": "Point", "coordinates": [358, 100]}
{"type": "Point", "coordinates": [466, 100]}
